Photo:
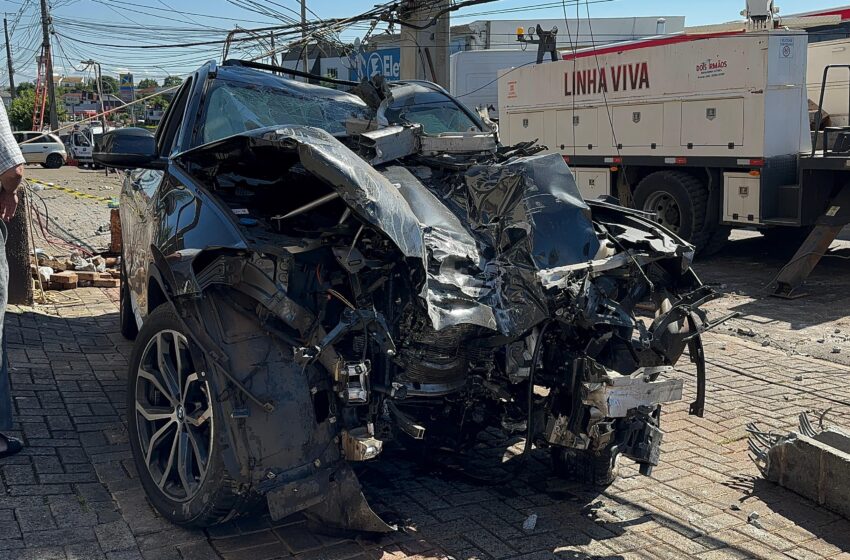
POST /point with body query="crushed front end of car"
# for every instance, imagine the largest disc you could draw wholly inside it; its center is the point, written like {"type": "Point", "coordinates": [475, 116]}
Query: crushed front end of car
{"type": "Point", "coordinates": [394, 284]}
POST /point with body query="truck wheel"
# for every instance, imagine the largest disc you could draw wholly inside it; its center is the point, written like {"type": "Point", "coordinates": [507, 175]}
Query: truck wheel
{"type": "Point", "coordinates": [590, 467]}
{"type": "Point", "coordinates": [173, 427]}
{"type": "Point", "coordinates": [677, 199]}
{"type": "Point", "coordinates": [53, 161]}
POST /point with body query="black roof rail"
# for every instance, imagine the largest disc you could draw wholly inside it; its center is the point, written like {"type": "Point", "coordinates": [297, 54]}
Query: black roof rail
{"type": "Point", "coordinates": [290, 71]}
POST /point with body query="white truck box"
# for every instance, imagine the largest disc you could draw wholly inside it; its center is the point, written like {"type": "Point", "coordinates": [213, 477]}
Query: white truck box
{"type": "Point", "coordinates": [738, 95]}
{"type": "Point", "coordinates": [474, 74]}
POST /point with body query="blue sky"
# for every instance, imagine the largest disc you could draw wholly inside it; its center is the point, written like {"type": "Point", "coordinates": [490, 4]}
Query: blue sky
{"type": "Point", "coordinates": [84, 26]}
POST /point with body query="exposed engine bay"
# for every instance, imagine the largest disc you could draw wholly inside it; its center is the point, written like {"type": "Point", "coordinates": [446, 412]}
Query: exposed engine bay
{"type": "Point", "coordinates": [423, 288]}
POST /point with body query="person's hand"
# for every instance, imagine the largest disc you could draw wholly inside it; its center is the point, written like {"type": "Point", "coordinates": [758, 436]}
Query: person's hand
{"type": "Point", "coordinates": [10, 180]}
{"type": "Point", "coordinates": [8, 204]}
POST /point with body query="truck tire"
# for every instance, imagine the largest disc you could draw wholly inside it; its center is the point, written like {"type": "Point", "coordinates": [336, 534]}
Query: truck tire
{"type": "Point", "coordinates": [53, 161]}
{"type": "Point", "coordinates": [678, 200]}
{"type": "Point", "coordinates": [174, 432]}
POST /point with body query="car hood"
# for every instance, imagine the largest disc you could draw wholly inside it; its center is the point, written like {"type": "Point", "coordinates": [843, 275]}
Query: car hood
{"type": "Point", "coordinates": [490, 238]}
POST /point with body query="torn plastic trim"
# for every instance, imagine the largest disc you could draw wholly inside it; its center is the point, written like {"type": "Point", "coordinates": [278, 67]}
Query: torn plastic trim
{"type": "Point", "coordinates": [697, 354]}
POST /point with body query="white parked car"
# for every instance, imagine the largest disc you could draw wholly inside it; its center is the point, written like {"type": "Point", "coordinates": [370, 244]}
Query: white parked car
{"type": "Point", "coordinates": [38, 147]}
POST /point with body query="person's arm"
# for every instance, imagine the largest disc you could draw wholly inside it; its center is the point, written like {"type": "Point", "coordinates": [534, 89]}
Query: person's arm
{"type": "Point", "coordinates": [12, 166]}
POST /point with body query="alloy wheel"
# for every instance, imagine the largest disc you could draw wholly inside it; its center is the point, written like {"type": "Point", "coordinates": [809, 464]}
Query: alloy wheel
{"type": "Point", "coordinates": [174, 416]}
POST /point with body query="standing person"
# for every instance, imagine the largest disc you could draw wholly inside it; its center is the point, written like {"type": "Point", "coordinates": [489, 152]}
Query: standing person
{"type": "Point", "coordinates": [11, 175]}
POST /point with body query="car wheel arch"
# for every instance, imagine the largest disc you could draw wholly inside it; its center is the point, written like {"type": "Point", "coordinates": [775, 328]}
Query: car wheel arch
{"type": "Point", "coordinates": [156, 295]}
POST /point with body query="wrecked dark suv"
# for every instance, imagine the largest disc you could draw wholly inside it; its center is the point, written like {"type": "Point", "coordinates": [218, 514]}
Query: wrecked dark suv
{"type": "Point", "coordinates": [315, 273]}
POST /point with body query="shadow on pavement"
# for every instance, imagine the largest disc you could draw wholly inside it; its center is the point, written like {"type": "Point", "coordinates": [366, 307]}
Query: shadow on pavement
{"type": "Point", "coordinates": [746, 267]}
{"type": "Point", "coordinates": [808, 516]}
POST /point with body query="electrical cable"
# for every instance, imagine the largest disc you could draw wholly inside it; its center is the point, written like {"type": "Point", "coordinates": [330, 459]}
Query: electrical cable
{"type": "Point", "coordinates": [573, 49]}
{"type": "Point", "coordinates": [799, 258]}
{"type": "Point", "coordinates": [598, 69]}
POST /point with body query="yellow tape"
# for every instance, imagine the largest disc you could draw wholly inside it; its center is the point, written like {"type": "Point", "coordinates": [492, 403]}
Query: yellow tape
{"type": "Point", "coordinates": [77, 194]}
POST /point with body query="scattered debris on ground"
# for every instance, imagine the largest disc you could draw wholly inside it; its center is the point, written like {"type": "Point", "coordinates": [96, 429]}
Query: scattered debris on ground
{"type": "Point", "coordinates": [67, 272]}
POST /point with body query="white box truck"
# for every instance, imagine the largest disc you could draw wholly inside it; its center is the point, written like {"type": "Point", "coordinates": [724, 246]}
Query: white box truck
{"type": "Point", "coordinates": [703, 130]}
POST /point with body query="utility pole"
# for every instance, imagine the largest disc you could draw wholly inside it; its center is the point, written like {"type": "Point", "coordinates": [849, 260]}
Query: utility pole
{"type": "Point", "coordinates": [98, 77]}
{"type": "Point", "coordinates": [425, 35]}
{"type": "Point", "coordinates": [305, 46]}
{"type": "Point", "coordinates": [9, 59]}
{"type": "Point", "coordinates": [45, 44]}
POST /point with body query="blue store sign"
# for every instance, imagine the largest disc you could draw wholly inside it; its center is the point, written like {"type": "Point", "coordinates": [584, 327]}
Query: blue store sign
{"type": "Point", "coordinates": [381, 61]}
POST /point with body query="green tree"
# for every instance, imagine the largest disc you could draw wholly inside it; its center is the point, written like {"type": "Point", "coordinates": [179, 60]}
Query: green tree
{"type": "Point", "coordinates": [24, 86]}
{"type": "Point", "coordinates": [158, 102]}
{"type": "Point", "coordinates": [172, 81]}
{"type": "Point", "coordinates": [109, 84]}
{"type": "Point", "coordinates": [21, 109]}
{"type": "Point", "coordinates": [148, 83]}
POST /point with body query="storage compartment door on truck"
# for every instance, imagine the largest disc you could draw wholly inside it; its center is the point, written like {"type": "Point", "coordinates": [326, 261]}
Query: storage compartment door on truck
{"type": "Point", "coordinates": [713, 122]}
{"type": "Point", "coordinates": [593, 182]}
{"type": "Point", "coordinates": [576, 128]}
{"type": "Point", "coordinates": [741, 198]}
{"type": "Point", "coordinates": [525, 126]}
{"type": "Point", "coordinates": [638, 125]}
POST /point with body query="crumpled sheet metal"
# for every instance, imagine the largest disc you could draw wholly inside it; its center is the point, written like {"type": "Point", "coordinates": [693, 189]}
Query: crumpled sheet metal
{"type": "Point", "coordinates": [644, 240]}
{"type": "Point", "coordinates": [482, 253]}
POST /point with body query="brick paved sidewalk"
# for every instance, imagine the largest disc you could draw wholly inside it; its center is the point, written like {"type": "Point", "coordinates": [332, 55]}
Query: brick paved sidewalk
{"type": "Point", "coordinates": [73, 493]}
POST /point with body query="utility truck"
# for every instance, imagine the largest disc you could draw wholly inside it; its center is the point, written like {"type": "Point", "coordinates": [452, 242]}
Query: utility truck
{"type": "Point", "coordinates": [707, 131]}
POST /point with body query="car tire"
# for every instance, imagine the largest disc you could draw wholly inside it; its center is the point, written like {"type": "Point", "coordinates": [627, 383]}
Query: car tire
{"type": "Point", "coordinates": [126, 317]}
{"type": "Point", "coordinates": [53, 161]}
{"type": "Point", "coordinates": [174, 429]}
{"type": "Point", "coordinates": [598, 468]}
{"type": "Point", "coordinates": [678, 200]}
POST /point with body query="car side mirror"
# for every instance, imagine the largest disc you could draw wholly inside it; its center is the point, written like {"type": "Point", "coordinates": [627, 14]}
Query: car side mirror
{"type": "Point", "coordinates": [127, 148]}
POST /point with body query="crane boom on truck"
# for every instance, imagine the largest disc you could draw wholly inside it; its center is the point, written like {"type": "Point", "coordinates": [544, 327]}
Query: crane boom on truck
{"type": "Point", "coordinates": [707, 131]}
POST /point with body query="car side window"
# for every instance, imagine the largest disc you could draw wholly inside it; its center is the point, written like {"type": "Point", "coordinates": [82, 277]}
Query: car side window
{"type": "Point", "coordinates": [18, 137]}
{"type": "Point", "coordinates": [167, 133]}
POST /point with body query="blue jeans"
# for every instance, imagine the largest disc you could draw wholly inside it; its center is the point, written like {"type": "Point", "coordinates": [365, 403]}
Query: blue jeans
{"type": "Point", "coordinates": [5, 387]}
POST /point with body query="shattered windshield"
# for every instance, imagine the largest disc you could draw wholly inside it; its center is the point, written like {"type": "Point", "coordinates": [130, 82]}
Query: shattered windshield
{"type": "Point", "coordinates": [436, 112]}
{"type": "Point", "coordinates": [236, 107]}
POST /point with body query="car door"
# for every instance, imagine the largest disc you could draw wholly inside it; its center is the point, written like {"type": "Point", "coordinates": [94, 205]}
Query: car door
{"type": "Point", "coordinates": [31, 151]}
{"type": "Point", "coordinates": [40, 146]}
{"type": "Point", "coordinates": [80, 147]}
{"type": "Point", "coordinates": [140, 200]}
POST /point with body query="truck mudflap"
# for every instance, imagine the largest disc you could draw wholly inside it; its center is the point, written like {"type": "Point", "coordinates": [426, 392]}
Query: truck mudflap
{"type": "Point", "coordinates": [331, 499]}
